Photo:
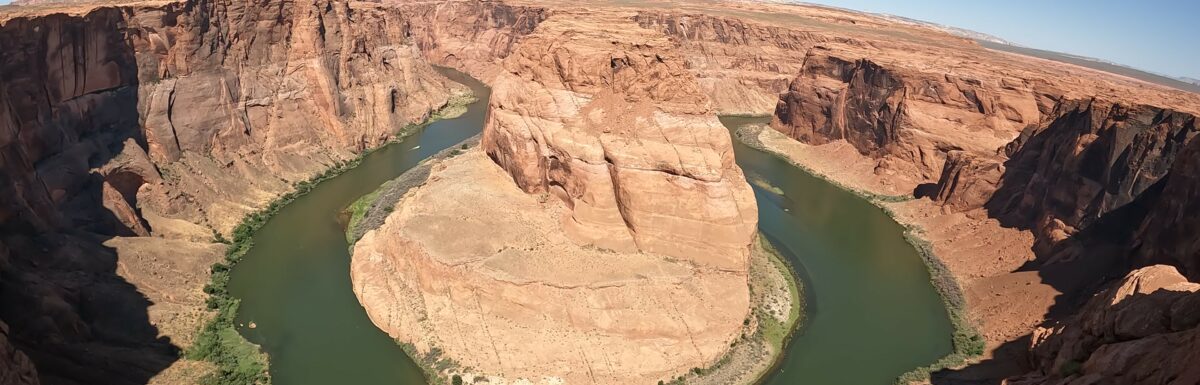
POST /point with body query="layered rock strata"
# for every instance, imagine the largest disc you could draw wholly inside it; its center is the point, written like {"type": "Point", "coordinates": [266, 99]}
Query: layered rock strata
{"type": "Point", "coordinates": [172, 120]}
{"type": "Point", "coordinates": [471, 36]}
{"type": "Point", "coordinates": [624, 136]}
{"type": "Point", "coordinates": [1044, 179]}
{"type": "Point", "coordinates": [616, 250]}
{"type": "Point", "coordinates": [1085, 175]}
{"type": "Point", "coordinates": [520, 300]}
{"type": "Point", "coordinates": [737, 63]}
{"type": "Point", "coordinates": [129, 135]}
{"type": "Point", "coordinates": [1143, 329]}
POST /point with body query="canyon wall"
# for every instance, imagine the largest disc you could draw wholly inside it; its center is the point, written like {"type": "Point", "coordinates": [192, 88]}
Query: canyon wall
{"type": "Point", "coordinates": [618, 238]}
{"type": "Point", "coordinates": [473, 37]}
{"type": "Point", "coordinates": [1090, 158]}
{"type": "Point", "coordinates": [15, 366]}
{"type": "Point", "coordinates": [1100, 175]}
{"type": "Point", "coordinates": [1026, 153]}
{"type": "Point", "coordinates": [741, 66]}
{"type": "Point", "coordinates": [1168, 234]}
{"type": "Point", "coordinates": [908, 120]}
{"type": "Point", "coordinates": [615, 126]}
{"type": "Point", "coordinates": [1032, 156]}
{"type": "Point", "coordinates": [1143, 329]}
{"type": "Point", "coordinates": [135, 132]}
{"type": "Point", "coordinates": [130, 135]}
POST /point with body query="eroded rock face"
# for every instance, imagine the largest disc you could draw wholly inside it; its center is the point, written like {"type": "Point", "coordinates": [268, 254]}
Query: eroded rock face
{"type": "Point", "coordinates": [471, 36]}
{"type": "Point", "coordinates": [742, 66]}
{"type": "Point", "coordinates": [859, 102]}
{"type": "Point", "coordinates": [15, 367]}
{"type": "Point", "coordinates": [1088, 177]}
{"type": "Point", "coordinates": [1066, 162]}
{"type": "Point", "coordinates": [615, 126]}
{"type": "Point", "coordinates": [127, 125]}
{"type": "Point", "coordinates": [1090, 159]}
{"type": "Point", "coordinates": [1143, 329]}
{"type": "Point", "coordinates": [1168, 235]}
{"type": "Point", "coordinates": [275, 101]}
{"type": "Point", "coordinates": [967, 181]}
{"type": "Point", "coordinates": [907, 119]}
{"type": "Point", "coordinates": [618, 250]}
{"type": "Point", "coordinates": [523, 301]}
{"type": "Point", "coordinates": [271, 102]}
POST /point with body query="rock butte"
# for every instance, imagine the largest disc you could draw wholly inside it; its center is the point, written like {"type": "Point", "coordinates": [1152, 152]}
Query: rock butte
{"type": "Point", "coordinates": [128, 130]}
{"type": "Point", "coordinates": [518, 299]}
{"type": "Point", "coordinates": [622, 135]}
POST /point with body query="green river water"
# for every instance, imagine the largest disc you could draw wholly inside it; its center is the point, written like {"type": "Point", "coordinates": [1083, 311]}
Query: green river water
{"type": "Point", "coordinates": [872, 313]}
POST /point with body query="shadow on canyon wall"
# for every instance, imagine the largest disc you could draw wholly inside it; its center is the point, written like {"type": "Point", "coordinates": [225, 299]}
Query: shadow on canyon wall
{"type": "Point", "coordinates": [1041, 185]}
{"type": "Point", "coordinates": [69, 106]}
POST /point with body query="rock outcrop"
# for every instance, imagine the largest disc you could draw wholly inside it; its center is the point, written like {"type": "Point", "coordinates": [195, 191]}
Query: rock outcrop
{"type": "Point", "coordinates": [742, 66]}
{"type": "Point", "coordinates": [1090, 159]}
{"type": "Point", "coordinates": [15, 367]}
{"type": "Point", "coordinates": [1168, 234]}
{"type": "Point", "coordinates": [1037, 158]}
{"type": "Point", "coordinates": [617, 247]}
{"type": "Point", "coordinates": [1144, 329]}
{"type": "Point", "coordinates": [1086, 175]}
{"type": "Point", "coordinates": [625, 137]}
{"type": "Point", "coordinates": [522, 301]}
{"type": "Point", "coordinates": [1044, 178]}
{"type": "Point", "coordinates": [908, 120]}
{"type": "Point", "coordinates": [473, 37]}
{"type": "Point", "coordinates": [130, 134]}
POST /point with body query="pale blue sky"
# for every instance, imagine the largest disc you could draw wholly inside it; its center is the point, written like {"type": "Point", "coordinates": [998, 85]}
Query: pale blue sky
{"type": "Point", "coordinates": [1161, 36]}
{"type": "Point", "coordinates": [1154, 35]}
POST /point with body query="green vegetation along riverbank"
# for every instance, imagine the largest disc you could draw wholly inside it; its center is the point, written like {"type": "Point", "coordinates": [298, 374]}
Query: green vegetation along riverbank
{"type": "Point", "coordinates": [967, 343]}
{"type": "Point", "coordinates": [237, 360]}
{"type": "Point", "coordinates": [776, 295]}
{"type": "Point", "coordinates": [369, 211]}
{"type": "Point", "coordinates": [777, 305]}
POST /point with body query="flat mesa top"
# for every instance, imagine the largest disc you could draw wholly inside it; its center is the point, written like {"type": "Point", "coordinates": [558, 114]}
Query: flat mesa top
{"type": "Point", "coordinates": [892, 42]}
{"type": "Point", "coordinates": [35, 8]}
{"type": "Point", "coordinates": [899, 43]}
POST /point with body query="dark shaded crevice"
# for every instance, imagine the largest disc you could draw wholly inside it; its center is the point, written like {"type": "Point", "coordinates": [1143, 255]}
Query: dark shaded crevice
{"type": "Point", "coordinates": [65, 305]}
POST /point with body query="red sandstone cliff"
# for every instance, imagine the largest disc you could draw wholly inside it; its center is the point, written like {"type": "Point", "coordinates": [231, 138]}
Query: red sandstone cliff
{"type": "Point", "coordinates": [473, 37]}
{"type": "Point", "coordinates": [171, 120]}
{"type": "Point", "coordinates": [130, 134]}
{"type": "Point", "coordinates": [1100, 183]}
{"type": "Point", "coordinates": [624, 136]}
{"type": "Point", "coordinates": [739, 64]}
{"type": "Point", "coordinates": [1168, 234]}
{"type": "Point", "coordinates": [609, 169]}
{"type": "Point", "coordinates": [1092, 166]}
{"type": "Point", "coordinates": [1100, 180]}
{"type": "Point", "coordinates": [1144, 330]}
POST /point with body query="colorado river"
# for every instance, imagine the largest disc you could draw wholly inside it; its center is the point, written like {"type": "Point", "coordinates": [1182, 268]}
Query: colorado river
{"type": "Point", "coordinates": [872, 313]}
{"type": "Point", "coordinates": [295, 282]}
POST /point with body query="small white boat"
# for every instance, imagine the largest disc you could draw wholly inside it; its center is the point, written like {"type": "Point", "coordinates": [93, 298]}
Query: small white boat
{"type": "Point", "coordinates": [414, 148]}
